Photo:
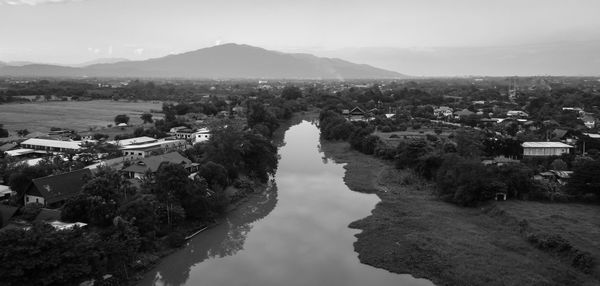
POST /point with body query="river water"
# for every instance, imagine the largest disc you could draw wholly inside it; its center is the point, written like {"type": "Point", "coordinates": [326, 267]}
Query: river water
{"type": "Point", "coordinates": [295, 234]}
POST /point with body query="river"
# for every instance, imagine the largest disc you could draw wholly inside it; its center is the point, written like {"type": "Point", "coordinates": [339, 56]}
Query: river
{"type": "Point", "coordinates": [295, 234]}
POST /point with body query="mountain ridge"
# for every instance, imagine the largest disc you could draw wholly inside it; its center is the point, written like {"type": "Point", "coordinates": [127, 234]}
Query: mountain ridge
{"type": "Point", "coordinates": [228, 61]}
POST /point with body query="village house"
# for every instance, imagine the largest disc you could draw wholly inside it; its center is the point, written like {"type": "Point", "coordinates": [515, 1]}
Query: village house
{"type": "Point", "coordinates": [463, 113]}
{"type": "Point", "coordinates": [53, 191]}
{"type": "Point", "coordinates": [517, 114]}
{"type": "Point", "coordinates": [357, 114]}
{"type": "Point", "coordinates": [443, 112]}
{"type": "Point", "coordinates": [589, 121]}
{"type": "Point", "coordinates": [138, 169]}
{"type": "Point", "coordinates": [134, 141]}
{"type": "Point", "coordinates": [138, 151]}
{"type": "Point", "coordinates": [47, 145]}
{"type": "Point", "coordinates": [541, 149]}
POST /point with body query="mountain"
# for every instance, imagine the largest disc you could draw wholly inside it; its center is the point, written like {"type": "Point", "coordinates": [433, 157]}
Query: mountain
{"type": "Point", "coordinates": [101, 61]}
{"type": "Point", "coordinates": [229, 61]}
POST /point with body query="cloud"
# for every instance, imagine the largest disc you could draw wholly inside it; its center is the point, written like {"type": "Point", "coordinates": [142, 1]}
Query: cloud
{"type": "Point", "coordinates": [94, 50]}
{"type": "Point", "coordinates": [138, 51]}
{"type": "Point", "coordinates": [110, 50]}
{"type": "Point", "coordinates": [34, 2]}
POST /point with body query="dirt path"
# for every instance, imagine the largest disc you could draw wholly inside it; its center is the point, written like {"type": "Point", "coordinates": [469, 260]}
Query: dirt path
{"type": "Point", "coordinates": [410, 231]}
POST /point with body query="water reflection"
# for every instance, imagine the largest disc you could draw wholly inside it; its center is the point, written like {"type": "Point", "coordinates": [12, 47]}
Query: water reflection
{"type": "Point", "coordinates": [305, 240]}
{"type": "Point", "coordinates": [225, 239]}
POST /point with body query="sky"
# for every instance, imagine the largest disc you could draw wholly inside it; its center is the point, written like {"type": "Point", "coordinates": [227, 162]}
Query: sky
{"type": "Point", "coordinates": [75, 31]}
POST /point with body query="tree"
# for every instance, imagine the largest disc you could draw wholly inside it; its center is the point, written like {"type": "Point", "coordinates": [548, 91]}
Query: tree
{"type": "Point", "coordinates": [214, 174]}
{"type": "Point", "coordinates": [3, 132]}
{"type": "Point", "coordinates": [171, 183]}
{"type": "Point", "coordinates": [49, 257]}
{"type": "Point", "coordinates": [585, 179]}
{"type": "Point", "coordinates": [468, 143]}
{"type": "Point", "coordinates": [141, 212]}
{"type": "Point", "coordinates": [147, 117]}
{"type": "Point", "coordinates": [121, 118]}
{"type": "Point", "coordinates": [558, 165]}
{"type": "Point", "coordinates": [291, 92]}
{"type": "Point", "coordinates": [22, 132]}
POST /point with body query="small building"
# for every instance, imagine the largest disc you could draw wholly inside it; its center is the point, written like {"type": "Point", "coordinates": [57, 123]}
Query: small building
{"type": "Point", "coordinates": [151, 164]}
{"type": "Point", "coordinates": [544, 149]}
{"type": "Point", "coordinates": [53, 191]}
{"type": "Point", "coordinates": [5, 192]}
{"type": "Point", "coordinates": [357, 114]}
{"type": "Point", "coordinates": [589, 121]}
{"type": "Point", "coordinates": [138, 151]}
{"type": "Point", "coordinates": [517, 114]}
{"type": "Point", "coordinates": [463, 113]}
{"type": "Point", "coordinates": [47, 145]}
{"type": "Point", "coordinates": [134, 141]}
{"type": "Point", "coordinates": [202, 135]}
{"type": "Point", "coordinates": [443, 112]}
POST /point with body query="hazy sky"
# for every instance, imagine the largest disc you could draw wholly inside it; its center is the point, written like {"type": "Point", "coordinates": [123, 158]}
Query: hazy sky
{"type": "Point", "coordinates": [72, 31]}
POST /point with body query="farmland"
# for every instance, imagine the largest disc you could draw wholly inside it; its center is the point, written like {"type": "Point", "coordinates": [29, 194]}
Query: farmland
{"type": "Point", "coordinates": [77, 115]}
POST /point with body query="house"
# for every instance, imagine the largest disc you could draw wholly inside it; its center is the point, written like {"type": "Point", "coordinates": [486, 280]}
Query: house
{"type": "Point", "coordinates": [357, 114]}
{"type": "Point", "coordinates": [517, 114]}
{"type": "Point", "coordinates": [540, 149]}
{"type": "Point", "coordinates": [175, 129]}
{"type": "Point", "coordinates": [201, 135]}
{"type": "Point", "coordinates": [5, 192]}
{"type": "Point", "coordinates": [565, 136]}
{"type": "Point", "coordinates": [138, 151]}
{"type": "Point", "coordinates": [53, 191]}
{"type": "Point", "coordinates": [443, 112]}
{"type": "Point", "coordinates": [589, 121]}
{"type": "Point", "coordinates": [134, 141]}
{"type": "Point", "coordinates": [463, 113]}
{"type": "Point", "coordinates": [139, 168]}
{"type": "Point", "coordinates": [48, 145]}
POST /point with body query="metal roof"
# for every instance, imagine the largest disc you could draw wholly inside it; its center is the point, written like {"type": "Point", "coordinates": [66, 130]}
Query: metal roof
{"type": "Point", "coordinates": [53, 143]}
{"type": "Point", "coordinates": [545, 145]}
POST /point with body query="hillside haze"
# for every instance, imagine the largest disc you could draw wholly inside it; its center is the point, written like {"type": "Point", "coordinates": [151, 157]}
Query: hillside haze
{"type": "Point", "coordinates": [229, 61]}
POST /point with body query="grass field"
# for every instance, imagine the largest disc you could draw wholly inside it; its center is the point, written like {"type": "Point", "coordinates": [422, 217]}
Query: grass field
{"type": "Point", "coordinates": [78, 115]}
{"type": "Point", "coordinates": [412, 231]}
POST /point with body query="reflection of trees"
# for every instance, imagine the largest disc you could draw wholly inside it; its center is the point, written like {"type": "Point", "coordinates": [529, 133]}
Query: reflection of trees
{"type": "Point", "coordinates": [225, 239]}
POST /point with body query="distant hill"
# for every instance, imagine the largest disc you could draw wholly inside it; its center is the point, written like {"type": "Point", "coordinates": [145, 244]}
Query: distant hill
{"type": "Point", "coordinates": [229, 61]}
{"type": "Point", "coordinates": [101, 61]}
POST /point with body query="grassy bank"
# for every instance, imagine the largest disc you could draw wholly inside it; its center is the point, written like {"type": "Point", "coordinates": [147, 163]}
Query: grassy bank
{"type": "Point", "coordinates": [411, 231]}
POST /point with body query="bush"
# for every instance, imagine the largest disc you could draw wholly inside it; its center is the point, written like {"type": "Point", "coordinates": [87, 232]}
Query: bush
{"type": "Point", "coordinates": [386, 129]}
{"type": "Point", "coordinates": [30, 211]}
{"type": "Point", "coordinates": [416, 126]}
{"type": "Point", "coordinates": [175, 239]}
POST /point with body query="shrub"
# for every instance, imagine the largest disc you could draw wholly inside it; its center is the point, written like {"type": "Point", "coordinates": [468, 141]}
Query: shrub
{"type": "Point", "coordinates": [386, 129]}
{"type": "Point", "coordinates": [175, 239]}
{"type": "Point", "coordinates": [30, 211]}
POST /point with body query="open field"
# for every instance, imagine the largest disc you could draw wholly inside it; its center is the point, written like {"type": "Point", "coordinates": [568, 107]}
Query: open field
{"type": "Point", "coordinates": [411, 231]}
{"type": "Point", "coordinates": [78, 115]}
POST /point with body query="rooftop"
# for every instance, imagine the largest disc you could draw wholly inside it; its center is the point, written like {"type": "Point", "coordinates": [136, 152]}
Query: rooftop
{"type": "Point", "coordinates": [545, 145]}
{"type": "Point", "coordinates": [53, 143]}
{"type": "Point", "coordinates": [136, 140]}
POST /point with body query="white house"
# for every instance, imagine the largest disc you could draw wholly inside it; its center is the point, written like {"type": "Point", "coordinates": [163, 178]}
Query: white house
{"type": "Point", "coordinates": [201, 135]}
{"type": "Point", "coordinates": [138, 151]}
{"type": "Point", "coordinates": [48, 145]}
{"type": "Point", "coordinates": [540, 149]}
{"type": "Point", "coordinates": [517, 113]}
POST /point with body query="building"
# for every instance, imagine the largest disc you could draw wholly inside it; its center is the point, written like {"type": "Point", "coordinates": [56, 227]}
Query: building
{"type": "Point", "coordinates": [517, 114]}
{"type": "Point", "coordinates": [589, 121]}
{"type": "Point", "coordinates": [201, 135]}
{"type": "Point", "coordinates": [48, 145]}
{"type": "Point", "coordinates": [443, 112]}
{"type": "Point", "coordinates": [5, 192]}
{"type": "Point", "coordinates": [139, 168]}
{"type": "Point", "coordinates": [134, 141]}
{"type": "Point", "coordinates": [541, 149]}
{"type": "Point", "coordinates": [463, 113]}
{"type": "Point", "coordinates": [357, 114]}
{"type": "Point", "coordinates": [138, 151]}
{"type": "Point", "coordinates": [53, 191]}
